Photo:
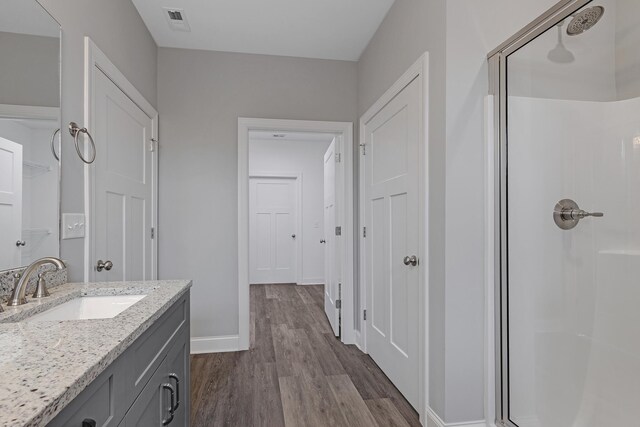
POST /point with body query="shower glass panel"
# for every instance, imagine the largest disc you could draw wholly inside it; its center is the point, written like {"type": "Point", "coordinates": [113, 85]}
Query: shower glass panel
{"type": "Point", "coordinates": [573, 280]}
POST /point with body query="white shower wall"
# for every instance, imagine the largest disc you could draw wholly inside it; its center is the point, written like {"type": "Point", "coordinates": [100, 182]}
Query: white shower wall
{"type": "Point", "coordinates": [573, 295]}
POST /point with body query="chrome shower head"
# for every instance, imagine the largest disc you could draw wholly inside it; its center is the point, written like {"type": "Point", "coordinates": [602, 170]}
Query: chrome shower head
{"type": "Point", "coordinates": [583, 21]}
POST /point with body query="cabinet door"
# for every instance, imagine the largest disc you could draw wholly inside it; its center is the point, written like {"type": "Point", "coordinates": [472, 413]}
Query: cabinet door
{"type": "Point", "coordinates": [177, 365]}
{"type": "Point", "coordinates": [153, 405]}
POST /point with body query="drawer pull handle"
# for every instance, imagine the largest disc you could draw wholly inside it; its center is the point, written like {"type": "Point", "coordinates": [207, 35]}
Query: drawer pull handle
{"type": "Point", "coordinates": [169, 387]}
{"type": "Point", "coordinates": [175, 377]}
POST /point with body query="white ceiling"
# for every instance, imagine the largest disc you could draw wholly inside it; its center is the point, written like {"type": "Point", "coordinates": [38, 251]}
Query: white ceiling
{"type": "Point", "coordinates": [327, 29]}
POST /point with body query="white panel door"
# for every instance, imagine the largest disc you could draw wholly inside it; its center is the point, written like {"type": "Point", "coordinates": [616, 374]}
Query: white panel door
{"type": "Point", "coordinates": [10, 203]}
{"type": "Point", "coordinates": [123, 185]}
{"type": "Point", "coordinates": [272, 230]}
{"type": "Point", "coordinates": [331, 249]}
{"type": "Point", "coordinates": [391, 215]}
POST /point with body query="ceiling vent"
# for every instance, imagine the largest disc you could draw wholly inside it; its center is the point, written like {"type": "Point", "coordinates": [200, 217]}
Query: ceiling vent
{"type": "Point", "coordinates": [176, 19]}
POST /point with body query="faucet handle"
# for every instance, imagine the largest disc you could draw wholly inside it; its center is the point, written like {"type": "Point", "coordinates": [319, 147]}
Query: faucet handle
{"type": "Point", "coordinates": [41, 289]}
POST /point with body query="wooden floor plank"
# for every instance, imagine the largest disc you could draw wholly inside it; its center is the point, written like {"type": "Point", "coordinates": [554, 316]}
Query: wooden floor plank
{"type": "Point", "coordinates": [385, 413]}
{"type": "Point", "coordinates": [296, 372]}
{"type": "Point", "coordinates": [350, 402]}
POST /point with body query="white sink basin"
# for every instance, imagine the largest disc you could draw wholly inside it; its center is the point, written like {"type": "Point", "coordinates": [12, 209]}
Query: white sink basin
{"type": "Point", "coordinates": [103, 307]}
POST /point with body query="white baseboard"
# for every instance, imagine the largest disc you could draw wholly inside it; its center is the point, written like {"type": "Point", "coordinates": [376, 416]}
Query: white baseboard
{"type": "Point", "coordinates": [220, 344]}
{"type": "Point", "coordinates": [433, 420]}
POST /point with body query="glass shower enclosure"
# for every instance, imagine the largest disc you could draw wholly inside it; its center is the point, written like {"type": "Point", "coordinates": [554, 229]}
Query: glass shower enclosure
{"type": "Point", "coordinates": [567, 104]}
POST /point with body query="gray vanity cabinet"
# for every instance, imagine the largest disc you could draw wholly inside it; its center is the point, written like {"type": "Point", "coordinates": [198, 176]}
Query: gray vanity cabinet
{"type": "Point", "coordinates": [163, 400]}
{"type": "Point", "coordinates": [147, 386]}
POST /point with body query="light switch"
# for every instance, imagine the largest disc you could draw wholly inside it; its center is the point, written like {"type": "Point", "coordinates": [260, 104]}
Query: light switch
{"type": "Point", "coordinates": [73, 226]}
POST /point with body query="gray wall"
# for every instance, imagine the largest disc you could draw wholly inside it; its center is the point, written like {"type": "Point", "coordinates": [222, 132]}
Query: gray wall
{"type": "Point", "coordinates": [116, 27]}
{"type": "Point", "coordinates": [200, 96]}
{"type": "Point", "coordinates": [29, 70]}
{"type": "Point", "coordinates": [411, 28]}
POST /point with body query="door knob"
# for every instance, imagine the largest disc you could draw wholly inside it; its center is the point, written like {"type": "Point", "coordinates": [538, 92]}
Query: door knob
{"type": "Point", "coordinates": [20, 243]}
{"type": "Point", "coordinates": [411, 260]}
{"type": "Point", "coordinates": [567, 214]}
{"type": "Point", "coordinates": [104, 265]}
{"type": "Point", "coordinates": [323, 241]}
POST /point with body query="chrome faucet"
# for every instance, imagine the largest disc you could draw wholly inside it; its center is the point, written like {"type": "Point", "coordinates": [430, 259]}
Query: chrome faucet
{"type": "Point", "coordinates": [19, 291]}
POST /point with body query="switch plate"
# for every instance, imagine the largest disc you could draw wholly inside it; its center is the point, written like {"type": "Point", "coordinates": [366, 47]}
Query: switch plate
{"type": "Point", "coordinates": [73, 226]}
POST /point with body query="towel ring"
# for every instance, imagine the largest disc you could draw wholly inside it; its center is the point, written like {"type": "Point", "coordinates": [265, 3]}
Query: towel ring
{"type": "Point", "coordinates": [53, 147]}
{"type": "Point", "coordinates": [75, 131]}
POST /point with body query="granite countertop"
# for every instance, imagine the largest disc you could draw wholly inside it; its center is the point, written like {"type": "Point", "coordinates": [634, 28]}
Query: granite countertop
{"type": "Point", "coordinates": [46, 364]}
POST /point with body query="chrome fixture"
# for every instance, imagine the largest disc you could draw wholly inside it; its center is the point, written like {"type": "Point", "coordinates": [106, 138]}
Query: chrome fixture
{"type": "Point", "coordinates": [75, 132]}
{"type": "Point", "coordinates": [323, 241]}
{"type": "Point", "coordinates": [560, 54]}
{"type": "Point", "coordinates": [41, 289]}
{"type": "Point", "coordinates": [567, 214]}
{"type": "Point", "coordinates": [103, 265]}
{"type": "Point", "coordinates": [20, 289]}
{"type": "Point", "coordinates": [53, 144]}
{"type": "Point", "coordinates": [21, 243]}
{"type": "Point", "coordinates": [410, 260]}
{"type": "Point", "coordinates": [293, 236]}
{"type": "Point", "coordinates": [585, 20]}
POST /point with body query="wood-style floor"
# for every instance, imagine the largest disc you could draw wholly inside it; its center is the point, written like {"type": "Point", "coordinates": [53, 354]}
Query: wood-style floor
{"type": "Point", "coordinates": [295, 374]}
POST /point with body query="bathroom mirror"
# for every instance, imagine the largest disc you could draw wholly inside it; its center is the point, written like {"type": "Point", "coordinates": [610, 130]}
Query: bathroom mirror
{"type": "Point", "coordinates": [29, 136]}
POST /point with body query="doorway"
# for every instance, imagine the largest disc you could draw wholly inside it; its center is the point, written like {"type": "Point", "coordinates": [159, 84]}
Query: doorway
{"type": "Point", "coordinates": [274, 222]}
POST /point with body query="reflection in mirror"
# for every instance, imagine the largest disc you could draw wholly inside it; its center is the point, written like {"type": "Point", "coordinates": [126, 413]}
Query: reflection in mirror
{"type": "Point", "coordinates": [29, 117]}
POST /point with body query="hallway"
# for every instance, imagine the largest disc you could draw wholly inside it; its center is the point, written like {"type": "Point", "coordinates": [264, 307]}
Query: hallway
{"type": "Point", "coordinates": [295, 374]}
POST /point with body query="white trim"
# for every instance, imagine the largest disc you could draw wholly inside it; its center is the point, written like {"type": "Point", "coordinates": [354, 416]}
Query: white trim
{"type": "Point", "coordinates": [433, 420]}
{"type": "Point", "coordinates": [29, 112]}
{"type": "Point", "coordinates": [346, 130]}
{"type": "Point", "coordinates": [489, 259]}
{"type": "Point", "coordinates": [419, 70]}
{"type": "Point", "coordinates": [95, 58]}
{"type": "Point", "coordinates": [311, 282]}
{"type": "Point", "coordinates": [297, 176]}
{"type": "Point", "coordinates": [222, 344]}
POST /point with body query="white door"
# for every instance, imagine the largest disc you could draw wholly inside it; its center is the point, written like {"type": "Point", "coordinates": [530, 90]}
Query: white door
{"type": "Point", "coordinates": [391, 216]}
{"type": "Point", "coordinates": [331, 247]}
{"type": "Point", "coordinates": [10, 203]}
{"type": "Point", "coordinates": [272, 230]}
{"type": "Point", "coordinates": [123, 186]}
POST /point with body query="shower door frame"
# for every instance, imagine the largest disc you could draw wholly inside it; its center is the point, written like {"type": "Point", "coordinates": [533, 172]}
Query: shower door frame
{"type": "Point", "coordinates": [498, 77]}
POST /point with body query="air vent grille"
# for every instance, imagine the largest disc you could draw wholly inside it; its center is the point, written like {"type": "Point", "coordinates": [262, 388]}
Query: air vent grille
{"type": "Point", "coordinates": [175, 15]}
{"type": "Point", "coordinates": [177, 19]}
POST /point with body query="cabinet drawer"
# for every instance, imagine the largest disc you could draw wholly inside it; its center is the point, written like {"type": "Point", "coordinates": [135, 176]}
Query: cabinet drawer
{"type": "Point", "coordinates": [103, 401]}
{"type": "Point", "coordinates": [149, 350]}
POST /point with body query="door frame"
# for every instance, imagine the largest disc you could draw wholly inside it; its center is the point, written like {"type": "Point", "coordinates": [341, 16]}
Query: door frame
{"type": "Point", "coordinates": [96, 58]}
{"type": "Point", "coordinates": [419, 70]}
{"type": "Point", "coordinates": [345, 215]}
{"type": "Point", "coordinates": [298, 229]}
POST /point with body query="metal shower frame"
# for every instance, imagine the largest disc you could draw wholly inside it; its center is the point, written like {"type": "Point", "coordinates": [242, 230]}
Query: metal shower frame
{"type": "Point", "coordinates": [498, 88]}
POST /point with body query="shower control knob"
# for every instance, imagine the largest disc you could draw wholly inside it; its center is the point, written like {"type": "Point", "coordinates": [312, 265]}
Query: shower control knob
{"type": "Point", "coordinates": [567, 214]}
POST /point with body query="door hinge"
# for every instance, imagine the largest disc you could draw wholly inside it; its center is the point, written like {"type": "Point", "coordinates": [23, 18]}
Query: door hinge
{"type": "Point", "coordinates": [153, 232]}
{"type": "Point", "coordinates": [153, 144]}
{"type": "Point", "coordinates": [338, 157]}
{"type": "Point", "coordinates": [364, 149]}
{"type": "Point", "coordinates": [364, 314]}
{"type": "Point", "coordinates": [338, 231]}
{"type": "Point", "coordinates": [364, 231]}
{"type": "Point", "coordinates": [338, 304]}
